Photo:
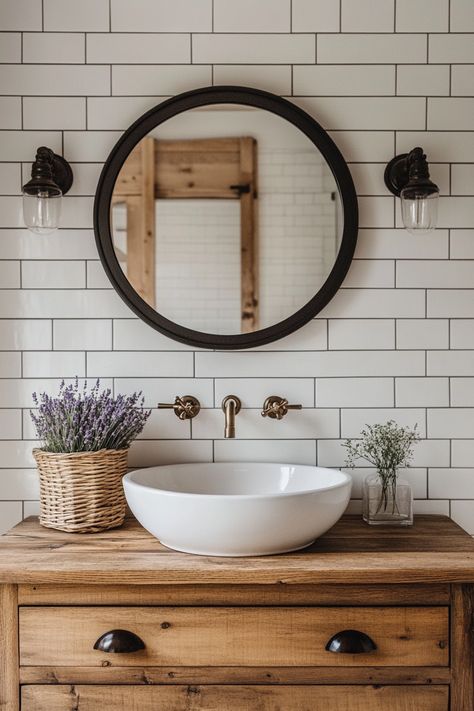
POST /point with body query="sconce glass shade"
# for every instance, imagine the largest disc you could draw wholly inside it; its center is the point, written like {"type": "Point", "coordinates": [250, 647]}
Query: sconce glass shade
{"type": "Point", "coordinates": [419, 211]}
{"type": "Point", "coordinates": [42, 211]}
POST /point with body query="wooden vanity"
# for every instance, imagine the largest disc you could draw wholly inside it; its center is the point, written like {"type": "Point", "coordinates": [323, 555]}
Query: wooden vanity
{"type": "Point", "coordinates": [237, 634]}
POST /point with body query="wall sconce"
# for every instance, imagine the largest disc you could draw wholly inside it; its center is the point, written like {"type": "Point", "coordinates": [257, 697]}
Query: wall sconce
{"type": "Point", "coordinates": [51, 178]}
{"type": "Point", "coordinates": [407, 176]}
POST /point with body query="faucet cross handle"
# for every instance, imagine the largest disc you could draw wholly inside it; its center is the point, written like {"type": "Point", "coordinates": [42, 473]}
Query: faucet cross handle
{"type": "Point", "coordinates": [185, 407]}
{"type": "Point", "coordinates": [276, 407]}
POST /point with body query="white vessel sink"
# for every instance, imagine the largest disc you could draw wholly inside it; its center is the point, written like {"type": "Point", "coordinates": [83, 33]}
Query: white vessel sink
{"type": "Point", "coordinates": [237, 509]}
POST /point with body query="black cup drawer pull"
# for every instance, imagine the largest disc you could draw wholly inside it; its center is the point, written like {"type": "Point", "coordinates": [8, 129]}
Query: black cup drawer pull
{"type": "Point", "coordinates": [119, 642]}
{"type": "Point", "coordinates": [351, 642]}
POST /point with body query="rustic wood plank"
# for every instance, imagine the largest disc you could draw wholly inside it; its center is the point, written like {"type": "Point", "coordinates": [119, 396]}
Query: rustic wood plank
{"type": "Point", "coordinates": [234, 636]}
{"type": "Point", "coordinates": [462, 641]}
{"type": "Point", "coordinates": [147, 208]}
{"type": "Point", "coordinates": [9, 676]}
{"type": "Point", "coordinates": [234, 595]}
{"type": "Point", "coordinates": [234, 698]}
{"type": "Point", "coordinates": [249, 300]}
{"type": "Point", "coordinates": [32, 554]}
{"type": "Point", "coordinates": [234, 675]}
{"type": "Point", "coordinates": [203, 168]}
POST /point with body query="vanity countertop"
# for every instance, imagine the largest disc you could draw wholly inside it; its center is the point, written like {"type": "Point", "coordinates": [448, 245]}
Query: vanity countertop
{"type": "Point", "coordinates": [434, 550]}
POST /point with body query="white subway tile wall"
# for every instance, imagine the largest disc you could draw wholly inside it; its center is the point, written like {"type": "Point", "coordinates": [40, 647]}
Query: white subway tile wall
{"type": "Point", "coordinates": [396, 342]}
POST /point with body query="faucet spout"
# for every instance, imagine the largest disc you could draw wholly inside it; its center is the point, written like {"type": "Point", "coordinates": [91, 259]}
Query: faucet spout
{"type": "Point", "coordinates": [231, 407]}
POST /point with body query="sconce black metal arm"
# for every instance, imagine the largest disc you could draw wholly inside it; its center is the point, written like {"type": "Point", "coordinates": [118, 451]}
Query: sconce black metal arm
{"type": "Point", "coordinates": [50, 173]}
{"type": "Point", "coordinates": [409, 170]}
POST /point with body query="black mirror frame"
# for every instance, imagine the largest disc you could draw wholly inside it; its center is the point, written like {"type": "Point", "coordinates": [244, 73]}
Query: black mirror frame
{"type": "Point", "coordinates": [225, 95]}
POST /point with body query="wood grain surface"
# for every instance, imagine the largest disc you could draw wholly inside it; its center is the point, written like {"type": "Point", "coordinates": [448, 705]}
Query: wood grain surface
{"type": "Point", "coordinates": [435, 550]}
{"type": "Point", "coordinates": [234, 698]}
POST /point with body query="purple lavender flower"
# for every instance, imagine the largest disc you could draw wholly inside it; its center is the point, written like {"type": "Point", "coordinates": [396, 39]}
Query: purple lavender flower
{"type": "Point", "coordinates": [81, 421]}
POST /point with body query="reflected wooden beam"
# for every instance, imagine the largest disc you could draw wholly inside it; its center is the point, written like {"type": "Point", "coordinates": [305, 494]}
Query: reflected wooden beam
{"type": "Point", "coordinates": [135, 187]}
{"type": "Point", "coordinates": [248, 235]}
{"type": "Point", "coordinates": [211, 168]}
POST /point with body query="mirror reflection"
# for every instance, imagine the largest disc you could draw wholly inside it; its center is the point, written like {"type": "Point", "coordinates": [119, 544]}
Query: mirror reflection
{"type": "Point", "coordinates": [226, 219]}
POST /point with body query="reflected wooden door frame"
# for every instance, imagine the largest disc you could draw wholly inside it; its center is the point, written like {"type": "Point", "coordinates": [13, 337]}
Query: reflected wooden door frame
{"type": "Point", "coordinates": [208, 168]}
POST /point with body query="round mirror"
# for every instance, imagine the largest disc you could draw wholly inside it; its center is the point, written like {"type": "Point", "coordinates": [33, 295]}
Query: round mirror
{"type": "Point", "coordinates": [226, 217]}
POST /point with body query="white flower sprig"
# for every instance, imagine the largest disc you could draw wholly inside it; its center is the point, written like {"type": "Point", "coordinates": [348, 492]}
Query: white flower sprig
{"type": "Point", "coordinates": [387, 447]}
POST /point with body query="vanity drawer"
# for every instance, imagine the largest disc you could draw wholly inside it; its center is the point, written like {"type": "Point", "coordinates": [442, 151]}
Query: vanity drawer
{"type": "Point", "coordinates": [234, 698]}
{"type": "Point", "coordinates": [234, 636]}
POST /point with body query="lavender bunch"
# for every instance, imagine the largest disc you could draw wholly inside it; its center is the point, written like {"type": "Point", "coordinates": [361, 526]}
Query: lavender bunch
{"type": "Point", "coordinates": [82, 421]}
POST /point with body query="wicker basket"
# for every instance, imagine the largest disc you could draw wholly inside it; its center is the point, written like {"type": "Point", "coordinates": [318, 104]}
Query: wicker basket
{"type": "Point", "coordinates": [82, 492]}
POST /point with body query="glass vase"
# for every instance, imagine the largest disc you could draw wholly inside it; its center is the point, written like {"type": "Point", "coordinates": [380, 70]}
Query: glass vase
{"type": "Point", "coordinates": [388, 500]}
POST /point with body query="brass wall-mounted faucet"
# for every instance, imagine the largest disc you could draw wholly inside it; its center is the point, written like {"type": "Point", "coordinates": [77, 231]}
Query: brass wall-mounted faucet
{"type": "Point", "coordinates": [185, 407]}
{"type": "Point", "coordinates": [277, 407]}
{"type": "Point", "coordinates": [231, 406]}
